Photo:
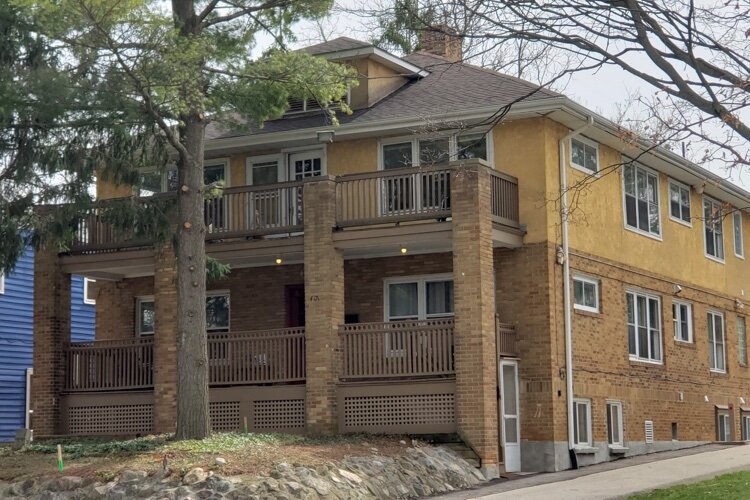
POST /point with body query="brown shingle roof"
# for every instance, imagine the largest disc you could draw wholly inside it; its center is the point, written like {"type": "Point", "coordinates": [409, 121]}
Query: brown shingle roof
{"type": "Point", "coordinates": [450, 87]}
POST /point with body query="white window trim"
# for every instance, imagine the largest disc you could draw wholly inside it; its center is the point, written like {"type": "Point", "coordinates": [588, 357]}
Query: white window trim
{"type": "Point", "coordinates": [452, 146]}
{"type": "Point", "coordinates": [669, 197]}
{"type": "Point", "coordinates": [576, 166]}
{"type": "Point", "coordinates": [744, 322]}
{"type": "Point", "coordinates": [221, 293]}
{"type": "Point", "coordinates": [737, 213]}
{"type": "Point", "coordinates": [2, 283]}
{"type": "Point", "coordinates": [723, 244]}
{"type": "Point", "coordinates": [592, 281]}
{"type": "Point", "coordinates": [620, 429]}
{"type": "Point", "coordinates": [86, 298]}
{"type": "Point", "coordinates": [138, 301]}
{"type": "Point", "coordinates": [286, 154]}
{"type": "Point", "coordinates": [250, 161]}
{"type": "Point", "coordinates": [330, 105]}
{"type": "Point", "coordinates": [635, 357]}
{"type": "Point", "coordinates": [715, 312]}
{"type": "Point", "coordinates": [690, 321]}
{"type": "Point", "coordinates": [745, 428]}
{"type": "Point", "coordinates": [587, 402]}
{"type": "Point", "coordinates": [421, 281]}
{"type": "Point", "coordinates": [657, 237]}
{"type": "Point", "coordinates": [722, 414]}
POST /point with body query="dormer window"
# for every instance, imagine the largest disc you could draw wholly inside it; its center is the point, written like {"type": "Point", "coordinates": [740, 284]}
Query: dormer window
{"type": "Point", "coordinates": [297, 105]}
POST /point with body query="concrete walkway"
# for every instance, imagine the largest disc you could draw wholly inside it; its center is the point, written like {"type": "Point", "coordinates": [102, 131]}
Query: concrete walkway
{"type": "Point", "coordinates": [622, 478]}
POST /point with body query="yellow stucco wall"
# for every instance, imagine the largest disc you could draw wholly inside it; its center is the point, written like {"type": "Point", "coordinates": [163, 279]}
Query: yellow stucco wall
{"type": "Point", "coordinates": [351, 157]}
{"type": "Point", "coordinates": [381, 81]}
{"type": "Point", "coordinates": [597, 227]}
{"type": "Point", "coordinates": [106, 190]}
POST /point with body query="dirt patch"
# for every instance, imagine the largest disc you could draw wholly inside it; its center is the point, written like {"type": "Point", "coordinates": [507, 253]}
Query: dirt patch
{"type": "Point", "coordinates": [244, 454]}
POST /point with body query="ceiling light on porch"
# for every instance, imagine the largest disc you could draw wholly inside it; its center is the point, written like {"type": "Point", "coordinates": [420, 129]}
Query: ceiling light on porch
{"type": "Point", "coordinates": [325, 136]}
{"type": "Point", "coordinates": [278, 260]}
{"type": "Point", "coordinates": [403, 250]}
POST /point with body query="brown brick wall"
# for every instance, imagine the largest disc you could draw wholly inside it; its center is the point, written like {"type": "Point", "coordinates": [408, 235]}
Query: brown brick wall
{"type": "Point", "coordinates": [165, 340]}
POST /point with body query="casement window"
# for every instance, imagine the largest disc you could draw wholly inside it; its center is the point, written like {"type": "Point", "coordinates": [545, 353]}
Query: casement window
{"type": "Point", "coordinates": [582, 423]}
{"type": "Point", "coordinates": [217, 313]}
{"type": "Point", "coordinates": [739, 249]}
{"type": "Point", "coordinates": [713, 229]}
{"type": "Point", "coordinates": [145, 315]}
{"type": "Point", "coordinates": [741, 341]}
{"type": "Point", "coordinates": [584, 154]}
{"type": "Point", "coordinates": [88, 291]}
{"type": "Point", "coordinates": [723, 425]}
{"type": "Point", "coordinates": [413, 152]}
{"type": "Point", "coordinates": [745, 426]}
{"type": "Point", "coordinates": [416, 298]}
{"type": "Point", "coordinates": [585, 293]}
{"type": "Point", "coordinates": [614, 423]}
{"type": "Point", "coordinates": [641, 191]}
{"type": "Point", "coordinates": [682, 319]}
{"type": "Point", "coordinates": [679, 202]}
{"type": "Point", "coordinates": [716, 342]}
{"type": "Point", "coordinates": [644, 327]}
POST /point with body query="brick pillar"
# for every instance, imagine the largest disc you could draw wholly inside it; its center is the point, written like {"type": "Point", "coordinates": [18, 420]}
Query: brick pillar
{"type": "Point", "coordinates": [474, 282]}
{"type": "Point", "coordinates": [51, 331]}
{"type": "Point", "coordinates": [165, 340]}
{"type": "Point", "coordinates": [324, 305]}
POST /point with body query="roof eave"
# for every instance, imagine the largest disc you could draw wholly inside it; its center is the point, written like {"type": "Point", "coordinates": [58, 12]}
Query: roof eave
{"type": "Point", "coordinates": [385, 58]}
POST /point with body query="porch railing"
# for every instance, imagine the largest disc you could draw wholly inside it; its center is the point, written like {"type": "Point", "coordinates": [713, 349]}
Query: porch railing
{"type": "Point", "coordinates": [393, 195]}
{"type": "Point", "coordinates": [108, 365]}
{"type": "Point", "coordinates": [258, 357]}
{"type": "Point", "coordinates": [255, 210]}
{"type": "Point", "coordinates": [504, 198]}
{"type": "Point", "coordinates": [506, 340]}
{"type": "Point", "coordinates": [397, 349]}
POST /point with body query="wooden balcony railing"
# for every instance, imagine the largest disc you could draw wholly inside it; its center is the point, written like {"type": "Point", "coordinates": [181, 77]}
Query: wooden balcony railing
{"type": "Point", "coordinates": [506, 340]}
{"type": "Point", "coordinates": [397, 349]}
{"type": "Point", "coordinates": [255, 210]}
{"type": "Point", "coordinates": [258, 357]}
{"type": "Point", "coordinates": [504, 198]}
{"type": "Point", "coordinates": [393, 195]}
{"type": "Point", "coordinates": [109, 365]}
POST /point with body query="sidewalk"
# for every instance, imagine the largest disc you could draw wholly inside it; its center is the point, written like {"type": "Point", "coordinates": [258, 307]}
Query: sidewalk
{"type": "Point", "coordinates": [620, 479]}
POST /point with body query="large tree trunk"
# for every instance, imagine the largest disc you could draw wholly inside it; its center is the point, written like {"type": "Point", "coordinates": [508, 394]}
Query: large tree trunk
{"type": "Point", "coordinates": [192, 348]}
{"type": "Point", "coordinates": [192, 345]}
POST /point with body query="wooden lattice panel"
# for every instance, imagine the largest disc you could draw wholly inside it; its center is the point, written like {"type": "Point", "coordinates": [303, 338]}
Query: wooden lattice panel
{"type": "Point", "coordinates": [278, 415]}
{"type": "Point", "coordinates": [225, 416]}
{"type": "Point", "coordinates": [395, 413]}
{"type": "Point", "coordinates": [114, 419]}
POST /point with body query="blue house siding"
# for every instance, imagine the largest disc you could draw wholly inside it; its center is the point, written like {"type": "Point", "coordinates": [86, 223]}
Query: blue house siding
{"type": "Point", "coordinates": [16, 338]}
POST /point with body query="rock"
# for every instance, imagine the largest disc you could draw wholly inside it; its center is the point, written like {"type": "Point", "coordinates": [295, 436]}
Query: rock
{"type": "Point", "coordinates": [220, 461]}
{"type": "Point", "coordinates": [402, 442]}
{"type": "Point", "coordinates": [321, 486]}
{"type": "Point", "coordinates": [133, 475]}
{"type": "Point", "coordinates": [350, 476]}
{"type": "Point", "coordinates": [195, 475]}
{"type": "Point", "coordinates": [216, 483]}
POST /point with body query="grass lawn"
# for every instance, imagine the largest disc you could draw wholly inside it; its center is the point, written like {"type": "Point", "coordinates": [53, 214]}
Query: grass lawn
{"type": "Point", "coordinates": [245, 454]}
{"type": "Point", "coordinates": [734, 486]}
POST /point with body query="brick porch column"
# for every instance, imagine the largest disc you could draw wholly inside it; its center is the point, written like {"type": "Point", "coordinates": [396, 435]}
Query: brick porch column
{"type": "Point", "coordinates": [51, 331]}
{"type": "Point", "coordinates": [165, 340]}
{"type": "Point", "coordinates": [474, 282]}
{"type": "Point", "coordinates": [324, 305]}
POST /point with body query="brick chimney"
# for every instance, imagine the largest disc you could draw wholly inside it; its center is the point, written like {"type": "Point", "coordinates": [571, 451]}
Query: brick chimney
{"type": "Point", "coordinates": [442, 40]}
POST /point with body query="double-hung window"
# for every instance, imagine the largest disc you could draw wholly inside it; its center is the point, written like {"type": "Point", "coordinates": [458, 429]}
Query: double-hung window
{"type": "Point", "coordinates": [585, 294]}
{"type": "Point", "coordinates": [739, 248]}
{"type": "Point", "coordinates": [644, 327]}
{"type": "Point", "coordinates": [723, 425]}
{"type": "Point", "coordinates": [641, 199]}
{"type": "Point", "coordinates": [582, 423]}
{"type": "Point", "coordinates": [679, 202]}
{"type": "Point", "coordinates": [713, 228]}
{"type": "Point", "coordinates": [745, 425]}
{"type": "Point", "coordinates": [682, 320]}
{"type": "Point", "coordinates": [614, 423]}
{"type": "Point", "coordinates": [716, 342]}
{"type": "Point", "coordinates": [584, 155]}
{"type": "Point", "coordinates": [415, 298]}
{"type": "Point", "coordinates": [741, 341]}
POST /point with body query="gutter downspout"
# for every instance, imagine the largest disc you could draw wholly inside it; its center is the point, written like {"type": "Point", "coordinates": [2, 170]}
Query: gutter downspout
{"type": "Point", "coordinates": [566, 284]}
{"type": "Point", "coordinates": [29, 373]}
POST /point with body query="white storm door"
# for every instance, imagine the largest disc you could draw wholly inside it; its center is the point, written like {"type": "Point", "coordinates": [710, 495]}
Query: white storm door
{"type": "Point", "coordinates": [511, 428]}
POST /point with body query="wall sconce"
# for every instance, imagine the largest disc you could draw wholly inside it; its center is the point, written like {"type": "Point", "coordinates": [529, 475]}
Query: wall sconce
{"type": "Point", "coordinates": [676, 289]}
{"type": "Point", "coordinates": [705, 398]}
{"type": "Point", "coordinates": [403, 250]}
{"type": "Point", "coordinates": [279, 261]}
{"type": "Point", "coordinates": [738, 304]}
{"type": "Point", "coordinates": [742, 401]}
{"type": "Point", "coordinates": [325, 136]}
{"type": "Point", "coordinates": [699, 188]}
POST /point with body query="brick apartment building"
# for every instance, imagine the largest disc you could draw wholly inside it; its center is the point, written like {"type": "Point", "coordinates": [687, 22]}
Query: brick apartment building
{"type": "Point", "coordinates": [408, 272]}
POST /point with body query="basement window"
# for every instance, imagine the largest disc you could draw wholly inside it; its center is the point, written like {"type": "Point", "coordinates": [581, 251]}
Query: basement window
{"type": "Point", "coordinates": [2, 283]}
{"type": "Point", "coordinates": [582, 423]}
{"type": "Point", "coordinates": [614, 423]}
{"type": "Point", "coordinates": [745, 426]}
{"type": "Point", "coordinates": [89, 295]}
{"type": "Point", "coordinates": [723, 425]}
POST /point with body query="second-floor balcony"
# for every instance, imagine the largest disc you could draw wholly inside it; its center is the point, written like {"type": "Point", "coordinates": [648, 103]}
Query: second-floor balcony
{"type": "Point", "coordinates": [377, 198]}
